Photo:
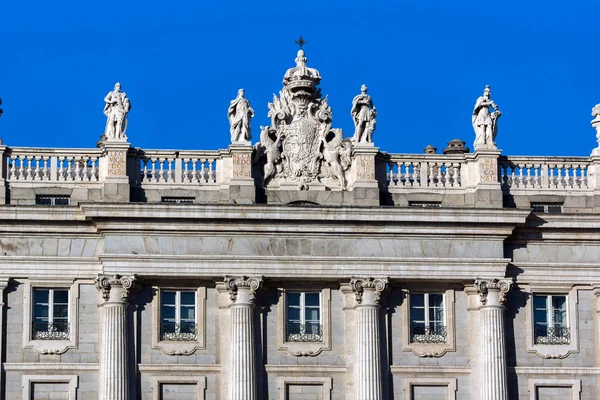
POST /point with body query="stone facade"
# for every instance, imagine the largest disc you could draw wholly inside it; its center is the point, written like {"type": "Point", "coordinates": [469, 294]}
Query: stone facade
{"type": "Point", "coordinates": [241, 274]}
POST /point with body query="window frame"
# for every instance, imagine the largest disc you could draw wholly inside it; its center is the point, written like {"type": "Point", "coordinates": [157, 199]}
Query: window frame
{"type": "Point", "coordinates": [429, 349]}
{"type": "Point", "coordinates": [50, 305]}
{"type": "Point", "coordinates": [52, 198]}
{"type": "Point", "coordinates": [179, 347]}
{"type": "Point", "coordinates": [550, 314]}
{"type": "Point", "coordinates": [304, 348]}
{"type": "Point", "coordinates": [302, 307]}
{"type": "Point", "coordinates": [51, 346]}
{"type": "Point", "coordinates": [548, 351]}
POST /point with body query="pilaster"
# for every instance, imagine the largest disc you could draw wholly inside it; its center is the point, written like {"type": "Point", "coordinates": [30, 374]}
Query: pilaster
{"type": "Point", "coordinates": [367, 371]}
{"type": "Point", "coordinates": [115, 374]}
{"type": "Point", "coordinates": [492, 295]}
{"type": "Point", "coordinates": [242, 363]}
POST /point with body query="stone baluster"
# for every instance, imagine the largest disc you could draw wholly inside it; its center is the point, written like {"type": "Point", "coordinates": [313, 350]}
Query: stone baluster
{"type": "Point", "coordinates": [115, 352]}
{"type": "Point", "coordinates": [492, 294]}
{"type": "Point", "coordinates": [242, 365]}
{"type": "Point", "coordinates": [367, 370]}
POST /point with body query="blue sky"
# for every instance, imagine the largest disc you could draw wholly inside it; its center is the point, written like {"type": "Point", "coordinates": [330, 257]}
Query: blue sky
{"type": "Point", "coordinates": [181, 62]}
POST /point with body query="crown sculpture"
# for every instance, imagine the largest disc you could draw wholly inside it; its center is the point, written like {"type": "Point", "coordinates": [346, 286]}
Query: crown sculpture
{"type": "Point", "coordinates": [300, 147]}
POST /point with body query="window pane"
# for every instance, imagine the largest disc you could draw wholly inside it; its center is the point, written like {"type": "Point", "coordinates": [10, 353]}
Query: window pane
{"type": "Point", "coordinates": [188, 298]}
{"type": "Point", "coordinates": [417, 316]}
{"type": "Point", "coordinates": [61, 310]}
{"type": "Point", "coordinates": [168, 312]}
{"type": "Point", "coordinates": [61, 296]}
{"type": "Point", "coordinates": [312, 314]}
{"type": "Point", "coordinates": [40, 296]}
{"type": "Point", "coordinates": [188, 313]}
{"type": "Point", "coordinates": [436, 300]}
{"type": "Point", "coordinates": [293, 327]}
{"type": "Point", "coordinates": [293, 314]}
{"type": "Point", "coordinates": [293, 299]}
{"type": "Point", "coordinates": [312, 327]}
{"type": "Point", "coordinates": [436, 314]}
{"type": "Point", "coordinates": [559, 302]}
{"type": "Point", "coordinates": [540, 302]}
{"type": "Point", "coordinates": [417, 300]}
{"type": "Point", "coordinates": [40, 312]}
{"type": "Point", "coordinates": [311, 299]}
{"type": "Point", "coordinates": [168, 297]}
{"type": "Point", "coordinates": [540, 317]}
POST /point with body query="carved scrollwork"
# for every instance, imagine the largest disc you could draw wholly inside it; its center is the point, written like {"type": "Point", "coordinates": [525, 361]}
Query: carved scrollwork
{"type": "Point", "coordinates": [358, 285]}
{"type": "Point", "coordinates": [233, 284]}
{"type": "Point", "coordinates": [104, 284]}
{"type": "Point", "coordinates": [483, 287]}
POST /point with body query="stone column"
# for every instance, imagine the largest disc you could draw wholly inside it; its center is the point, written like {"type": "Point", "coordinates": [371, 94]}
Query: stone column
{"type": "Point", "coordinates": [492, 294]}
{"type": "Point", "coordinates": [367, 370]}
{"type": "Point", "coordinates": [242, 365]}
{"type": "Point", "coordinates": [114, 354]}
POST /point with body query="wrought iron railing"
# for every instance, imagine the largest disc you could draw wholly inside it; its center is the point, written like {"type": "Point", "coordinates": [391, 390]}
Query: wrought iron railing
{"type": "Point", "coordinates": [304, 332]}
{"type": "Point", "coordinates": [182, 332]}
{"type": "Point", "coordinates": [552, 336]}
{"type": "Point", "coordinates": [50, 331]}
{"type": "Point", "coordinates": [428, 334]}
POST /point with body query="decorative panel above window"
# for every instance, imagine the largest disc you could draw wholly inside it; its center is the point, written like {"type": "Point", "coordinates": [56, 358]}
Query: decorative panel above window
{"type": "Point", "coordinates": [428, 323]}
{"type": "Point", "coordinates": [303, 322]}
{"type": "Point", "coordinates": [50, 316]}
{"type": "Point", "coordinates": [178, 320]}
{"type": "Point", "coordinates": [552, 322]}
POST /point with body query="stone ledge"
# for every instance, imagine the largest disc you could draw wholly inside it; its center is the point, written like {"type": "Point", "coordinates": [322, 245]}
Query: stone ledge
{"type": "Point", "coordinates": [54, 367]}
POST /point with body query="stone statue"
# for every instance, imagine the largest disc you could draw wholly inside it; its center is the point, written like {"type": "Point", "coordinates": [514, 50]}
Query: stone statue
{"type": "Point", "coordinates": [337, 156]}
{"type": "Point", "coordinates": [240, 113]}
{"type": "Point", "coordinates": [269, 147]}
{"type": "Point", "coordinates": [485, 123]}
{"type": "Point", "coordinates": [364, 113]}
{"type": "Point", "coordinates": [116, 109]}
{"type": "Point", "coordinates": [596, 125]}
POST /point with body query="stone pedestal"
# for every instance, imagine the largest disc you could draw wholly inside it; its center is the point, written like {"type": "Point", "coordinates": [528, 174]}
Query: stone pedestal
{"type": "Point", "coordinates": [115, 374]}
{"type": "Point", "coordinates": [241, 182]}
{"type": "Point", "coordinates": [361, 176]}
{"type": "Point", "coordinates": [367, 370]}
{"type": "Point", "coordinates": [242, 365]}
{"type": "Point", "coordinates": [483, 187]}
{"type": "Point", "coordinates": [492, 293]}
{"type": "Point", "coordinates": [113, 170]}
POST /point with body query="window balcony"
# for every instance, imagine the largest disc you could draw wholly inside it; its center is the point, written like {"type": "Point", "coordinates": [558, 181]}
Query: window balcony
{"type": "Point", "coordinates": [50, 331]}
{"type": "Point", "coordinates": [304, 332]}
{"type": "Point", "coordinates": [182, 332]}
{"type": "Point", "coordinates": [552, 336]}
{"type": "Point", "coordinates": [428, 334]}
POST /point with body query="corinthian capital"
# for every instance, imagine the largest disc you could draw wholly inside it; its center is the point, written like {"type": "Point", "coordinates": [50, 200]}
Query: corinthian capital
{"type": "Point", "coordinates": [112, 284]}
{"type": "Point", "coordinates": [501, 286]}
{"type": "Point", "coordinates": [248, 285]}
{"type": "Point", "coordinates": [373, 285]}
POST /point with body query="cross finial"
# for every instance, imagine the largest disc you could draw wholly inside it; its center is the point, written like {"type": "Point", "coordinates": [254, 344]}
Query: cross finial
{"type": "Point", "coordinates": [301, 42]}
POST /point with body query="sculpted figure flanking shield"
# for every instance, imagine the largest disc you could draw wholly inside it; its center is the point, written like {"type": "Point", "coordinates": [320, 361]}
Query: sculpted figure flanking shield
{"type": "Point", "coordinates": [116, 109]}
{"type": "Point", "coordinates": [240, 113]}
{"type": "Point", "coordinates": [485, 123]}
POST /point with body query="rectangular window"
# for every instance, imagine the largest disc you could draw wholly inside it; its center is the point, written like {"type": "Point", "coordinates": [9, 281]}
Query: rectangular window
{"type": "Point", "coordinates": [178, 315]}
{"type": "Point", "coordinates": [550, 319]}
{"type": "Point", "coordinates": [427, 322]}
{"type": "Point", "coordinates": [547, 208]}
{"type": "Point", "coordinates": [52, 200]}
{"type": "Point", "coordinates": [50, 314]}
{"type": "Point", "coordinates": [425, 204]}
{"type": "Point", "coordinates": [303, 317]}
{"type": "Point", "coordinates": [178, 200]}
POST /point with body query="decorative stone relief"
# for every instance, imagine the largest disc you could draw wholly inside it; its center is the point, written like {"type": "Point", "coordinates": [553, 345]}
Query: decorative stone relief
{"type": "Point", "coordinates": [252, 285]}
{"type": "Point", "coordinates": [106, 283]}
{"type": "Point", "coordinates": [488, 169]}
{"type": "Point", "coordinates": [485, 123]}
{"type": "Point", "coordinates": [242, 165]}
{"type": "Point", "coordinates": [116, 109]}
{"type": "Point", "coordinates": [359, 285]}
{"type": "Point", "coordinates": [484, 286]}
{"type": "Point", "coordinates": [116, 163]}
{"type": "Point", "coordinates": [595, 123]}
{"type": "Point", "coordinates": [240, 113]}
{"type": "Point", "coordinates": [363, 113]}
{"type": "Point", "coordinates": [300, 147]}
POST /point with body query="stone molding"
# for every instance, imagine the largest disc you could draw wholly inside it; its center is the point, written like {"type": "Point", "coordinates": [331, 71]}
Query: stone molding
{"type": "Point", "coordinates": [574, 384]}
{"type": "Point", "coordinates": [409, 383]}
{"type": "Point", "coordinates": [553, 351]}
{"type": "Point", "coordinates": [430, 349]}
{"type": "Point", "coordinates": [377, 285]}
{"type": "Point", "coordinates": [198, 380]}
{"type": "Point", "coordinates": [105, 284]}
{"type": "Point", "coordinates": [325, 382]}
{"type": "Point", "coordinates": [28, 380]}
{"type": "Point", "coordinates": [51, 346]}
{"type": "Point", "coordinates": [305, 349]}
{"type": "Point", "coordinates": [250, 284]}
{"type": "Point", "coordinates": [485, 285]}
{"type": "Point", "coordinates": [184, 348]}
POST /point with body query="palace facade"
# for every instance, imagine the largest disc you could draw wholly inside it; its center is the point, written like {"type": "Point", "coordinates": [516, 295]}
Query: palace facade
{"type": "Point", "coordinates": [308, 266]}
